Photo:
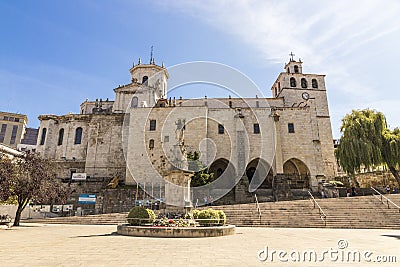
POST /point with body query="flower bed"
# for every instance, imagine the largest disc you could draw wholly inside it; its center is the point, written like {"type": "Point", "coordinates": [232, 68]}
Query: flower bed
{"type": "Point", "coordinates": [204, 223]}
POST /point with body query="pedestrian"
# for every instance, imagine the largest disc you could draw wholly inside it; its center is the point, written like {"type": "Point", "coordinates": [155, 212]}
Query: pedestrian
{"type": "Point", "coordinates": [388, 189]}
{"type": "Point", "coordinates": [394, 189]}
{"type": "Point", "coordinates": [353, 191]}
{"type": "Point", "coordinates": [347, 192]}
{"type": "Point", "coordinates": [206, 201]}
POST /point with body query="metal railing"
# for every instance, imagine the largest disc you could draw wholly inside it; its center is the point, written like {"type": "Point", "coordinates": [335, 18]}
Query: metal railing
{"type": "Point", "coordinates": [258, 207]}
{"type": "Point", "coordinates": [381, 198]}
{"type": "Point", "coordinates": [321, 212]}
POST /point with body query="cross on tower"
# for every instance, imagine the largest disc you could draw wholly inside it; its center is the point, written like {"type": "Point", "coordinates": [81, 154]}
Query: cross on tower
{"type": "Point", "coordinates": [291, 56]}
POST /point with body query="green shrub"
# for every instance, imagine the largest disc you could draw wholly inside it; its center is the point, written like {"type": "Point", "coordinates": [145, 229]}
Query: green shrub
{"type": "Point", "coordinates": [222, 217]}
{"type": "Point", "coordinates": [208, 217]}
{"type": "Point", "coordinates": [140, 215]}
{"type": "Point", "coordinates": [195, 214]}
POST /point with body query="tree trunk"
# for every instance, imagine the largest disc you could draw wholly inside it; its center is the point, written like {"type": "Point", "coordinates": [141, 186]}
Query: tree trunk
{"type": "Point", "coordinates": [18, 215]}
{"type": "Point", "coordinates": [21, 207]}
{"type": "Point", "coordinates": [395, 174]}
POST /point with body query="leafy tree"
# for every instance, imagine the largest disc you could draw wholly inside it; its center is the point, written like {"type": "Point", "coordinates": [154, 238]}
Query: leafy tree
{"type": "Point", "coordinates": [30, 178]}
{"type": "Point", "coordinates": [201, 175]}
{"type": "Point", "coordinates": [366, 141]}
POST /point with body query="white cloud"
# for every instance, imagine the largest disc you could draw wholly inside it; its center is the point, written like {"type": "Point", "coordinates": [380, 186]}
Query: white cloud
{"type": "Point", "coordinates": [332, 37]}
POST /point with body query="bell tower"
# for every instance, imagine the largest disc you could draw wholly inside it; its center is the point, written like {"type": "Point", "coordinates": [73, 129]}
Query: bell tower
{"type": "Point", "coordinates": [148, 85]}
{"type": "Point", "coordinates": [298, 88]}
{"type": "Point", "coordinates": [306, 93]}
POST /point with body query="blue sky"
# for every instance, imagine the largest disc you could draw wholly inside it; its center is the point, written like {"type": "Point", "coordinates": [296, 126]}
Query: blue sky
{"type": "Point", "coordinates": [55, 54]}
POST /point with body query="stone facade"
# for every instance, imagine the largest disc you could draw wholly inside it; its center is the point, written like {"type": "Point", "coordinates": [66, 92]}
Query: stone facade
{"type": "Point", "coordinates": [12, 128]}
{"type": "Point", "coordinates": [248, 141]}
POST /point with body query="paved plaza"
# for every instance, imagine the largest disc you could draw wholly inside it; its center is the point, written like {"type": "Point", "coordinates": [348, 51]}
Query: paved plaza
{"type": "Point", "coordinates": [82, 245]}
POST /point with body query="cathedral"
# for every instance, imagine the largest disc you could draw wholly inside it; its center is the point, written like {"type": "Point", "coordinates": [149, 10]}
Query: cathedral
{"type": "Point", "coordinates": [276, 147]}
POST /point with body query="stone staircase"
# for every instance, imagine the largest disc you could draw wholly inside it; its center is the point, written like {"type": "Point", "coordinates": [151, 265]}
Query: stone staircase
{"type": "Point", "coordinates": [354, 212]}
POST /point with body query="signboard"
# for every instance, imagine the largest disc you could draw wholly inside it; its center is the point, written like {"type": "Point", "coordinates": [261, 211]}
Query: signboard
{"type": "Point", "coordinates": [87, 199]}
{"type": "Point", "coordinates": [79, 176]}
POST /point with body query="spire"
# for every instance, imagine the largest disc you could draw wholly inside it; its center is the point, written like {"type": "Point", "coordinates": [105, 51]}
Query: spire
{"type": "Point", "coordinates": [140, 61]}
{"type": "Point", "coordinates": [162, 64]}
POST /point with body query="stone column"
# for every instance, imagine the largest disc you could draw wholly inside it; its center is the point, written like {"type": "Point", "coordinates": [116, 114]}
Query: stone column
{"type": "Point", "coordinates": [278, 147]}
{"type": "Point", "coordinates": [177, 189]}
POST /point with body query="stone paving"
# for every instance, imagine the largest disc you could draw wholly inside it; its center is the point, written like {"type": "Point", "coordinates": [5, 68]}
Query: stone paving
{"type": "Point", "coordinates": [83, 245]}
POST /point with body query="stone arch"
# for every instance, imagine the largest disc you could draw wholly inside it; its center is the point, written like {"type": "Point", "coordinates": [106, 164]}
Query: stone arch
{"type": "Point", "coordinates": [224, 173]}
{"type": "Point", "coordinates": [297, 172]}
{"type": "Point", "coordinates": [261, 172]}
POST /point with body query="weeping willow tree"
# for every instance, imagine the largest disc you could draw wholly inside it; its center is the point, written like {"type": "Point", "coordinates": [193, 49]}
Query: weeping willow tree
{"type": "Point", "coordinates": [366, 141]}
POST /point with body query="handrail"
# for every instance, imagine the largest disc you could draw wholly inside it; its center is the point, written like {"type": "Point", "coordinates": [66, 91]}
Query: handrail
{"type": "Point", "coordinates": [258, 207]}
{"type": "Point", "coordinates": [321, 212]}
{"type": "Point", "coordinates": [383, 197]}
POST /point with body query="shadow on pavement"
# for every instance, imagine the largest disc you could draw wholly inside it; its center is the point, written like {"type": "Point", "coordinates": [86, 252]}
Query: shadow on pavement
{"type": "Point", "coordinates": [394, 236]}
{"type": "Point", "coordinates": [111, 234]}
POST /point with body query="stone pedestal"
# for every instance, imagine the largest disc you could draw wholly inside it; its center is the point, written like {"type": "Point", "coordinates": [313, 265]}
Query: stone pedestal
{"type": "Point", "coordinates": [177, 190]}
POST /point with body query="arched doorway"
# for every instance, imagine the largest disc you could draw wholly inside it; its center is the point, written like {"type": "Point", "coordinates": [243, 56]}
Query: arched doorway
{"type": "Point", "coordinates": [297, 173]}
{"type": "Point", "coordinates": [224, 173]}
{"type": "Point", "coordinates": [259, 174]}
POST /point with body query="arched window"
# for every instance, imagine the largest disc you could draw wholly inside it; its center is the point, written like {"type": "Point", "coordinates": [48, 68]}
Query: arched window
{"type": "Point", "coordinates": [303, 83]}
{"type": "Point", "coordinates": [314, 83]}
{"type": "Point", "coordinates": [43, 138]}
{"type": "Point", "coordinates": [134, 103]}
{"type": "Point", "coordinates": [78, 136]}
{"type": "Point", "coordinates": [151, 143]}
{"type": "Point", "coordinates": [60, 137]}
{"type": "Point", "coordinates": [144, 79]}
{"type": "Point", "coordinates": [296, 69]}
{"type": "Point", "coordinates": [288, 70]}
{"type": "Point", "coordinates": [292, 82]}
{"type": "Point", "coordinates": [221, 129]}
